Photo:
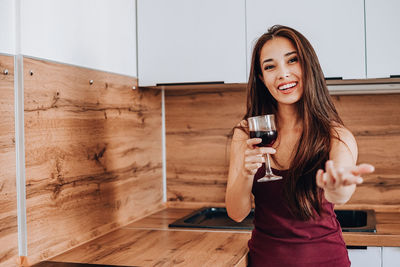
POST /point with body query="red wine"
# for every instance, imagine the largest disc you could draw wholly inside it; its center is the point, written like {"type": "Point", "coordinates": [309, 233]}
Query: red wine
{"type": "Point", "coordinates": [268, 137]}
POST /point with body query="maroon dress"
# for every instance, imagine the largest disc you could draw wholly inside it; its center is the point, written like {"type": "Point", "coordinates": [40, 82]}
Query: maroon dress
{"type": "Point", "coordinates": [281, 240]}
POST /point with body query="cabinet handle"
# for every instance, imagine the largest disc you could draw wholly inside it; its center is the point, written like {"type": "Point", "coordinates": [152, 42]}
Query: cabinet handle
{"type": "Point", "coordinates": [333, 78]}
{"type": "Point", "coordinates": [357, 247]}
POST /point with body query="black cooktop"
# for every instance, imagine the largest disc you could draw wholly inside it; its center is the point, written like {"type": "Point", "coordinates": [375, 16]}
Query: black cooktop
{"type": "Point", "coordinates": [217, 218]}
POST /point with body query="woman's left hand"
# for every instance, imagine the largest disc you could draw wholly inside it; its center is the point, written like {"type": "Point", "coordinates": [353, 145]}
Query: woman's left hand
{"type": "Point", "coordinates": [334, 178]}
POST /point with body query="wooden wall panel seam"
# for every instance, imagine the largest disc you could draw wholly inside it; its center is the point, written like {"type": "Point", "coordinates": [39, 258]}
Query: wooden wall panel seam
{"type": "Point", "coordinates": [20, 155]}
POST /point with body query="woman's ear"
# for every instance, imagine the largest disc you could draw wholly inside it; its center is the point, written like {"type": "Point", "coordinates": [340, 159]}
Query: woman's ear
{"type": "Point", "coordinates": [261, 78]}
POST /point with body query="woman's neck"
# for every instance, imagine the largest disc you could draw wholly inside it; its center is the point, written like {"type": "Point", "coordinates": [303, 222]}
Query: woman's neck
{"type": "Point", "coordinates": [288, 116]}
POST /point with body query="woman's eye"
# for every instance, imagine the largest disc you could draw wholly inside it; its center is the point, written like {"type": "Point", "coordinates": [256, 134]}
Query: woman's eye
{"type": "Point", "coordinates": [268, 67]}
{"type": "Point", "coordinates": [292, 60]}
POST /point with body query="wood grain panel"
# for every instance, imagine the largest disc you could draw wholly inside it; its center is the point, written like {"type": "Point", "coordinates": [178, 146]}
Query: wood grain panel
{"type": "Point", "coordinates": [137, 247]}
{"type": "Point", "coordinates": [375, 123]}
{"type": "Point", "coordinates": [93, 154]}
{"type": "Point", "coordinates": [197, 127]}
{"type": "Point", "coordinates": [198, 122]}
{"type": "Point", "coordinates": [8, 198]}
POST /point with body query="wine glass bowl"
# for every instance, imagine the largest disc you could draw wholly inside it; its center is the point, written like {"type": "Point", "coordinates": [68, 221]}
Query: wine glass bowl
{"type": "Point", "coordinates": [264, 127]}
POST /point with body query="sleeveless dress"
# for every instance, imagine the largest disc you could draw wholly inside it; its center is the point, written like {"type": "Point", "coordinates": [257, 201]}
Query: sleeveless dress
{"type": "Point", "coordinates": [279, 239]}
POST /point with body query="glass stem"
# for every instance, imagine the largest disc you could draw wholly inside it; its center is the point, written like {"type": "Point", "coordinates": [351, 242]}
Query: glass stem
{"type": "Point", "coordinates": [268, 171]}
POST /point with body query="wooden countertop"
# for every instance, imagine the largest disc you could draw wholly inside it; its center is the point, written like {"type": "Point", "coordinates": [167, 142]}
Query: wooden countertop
{"type": "Point", "coordinates": [387, 227]}
{"type": "Point", "coordinates": [149, 242]}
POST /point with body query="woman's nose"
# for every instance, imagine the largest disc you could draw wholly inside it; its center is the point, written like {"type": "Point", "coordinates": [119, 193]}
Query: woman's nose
{"type": "Point", "coordinates": [283, 72]}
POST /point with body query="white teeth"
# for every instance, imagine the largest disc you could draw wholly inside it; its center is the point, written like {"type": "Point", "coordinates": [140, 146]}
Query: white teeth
{"type": "Point", "coordinates": [286, 86]}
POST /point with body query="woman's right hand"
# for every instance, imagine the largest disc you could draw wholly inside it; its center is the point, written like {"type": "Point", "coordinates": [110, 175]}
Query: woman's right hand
{"type": "Point", "coordinates": [253, 156]}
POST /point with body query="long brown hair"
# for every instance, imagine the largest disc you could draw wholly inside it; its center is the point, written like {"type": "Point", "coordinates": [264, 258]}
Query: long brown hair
{"type": "Point", "coordinates": [318, 115]}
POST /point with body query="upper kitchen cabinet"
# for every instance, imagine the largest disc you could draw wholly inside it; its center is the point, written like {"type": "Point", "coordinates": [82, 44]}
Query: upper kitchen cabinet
{"type": "Point", "coordinates": [97, 34]}
{"type": "Point", "coordinates": [191, 41]}
{"type": "Point", "coordinates": [383, 38]}
{"type": "Point", "coordinates": [335, 29]}
{"type": "Point", "coordinates": [7, 22]}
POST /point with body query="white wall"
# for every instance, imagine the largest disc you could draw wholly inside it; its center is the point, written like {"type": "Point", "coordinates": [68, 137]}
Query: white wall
{"type": "Point", "coordinates": [98, 34]}
{"type": "Point", "coordinates": [7, 26]}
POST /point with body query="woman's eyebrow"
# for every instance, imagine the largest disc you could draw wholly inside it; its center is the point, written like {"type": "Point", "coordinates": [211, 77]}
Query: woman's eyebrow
{"type": "Point", "coordinates": [267, 60]}
{"type": "Point", "coordinates": [270, 59]}
{"type": "Point", "coordinates": [290, 53]}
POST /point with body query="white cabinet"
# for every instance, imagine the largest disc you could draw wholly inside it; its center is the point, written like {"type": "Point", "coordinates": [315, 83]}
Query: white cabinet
{"type": "Point", "coordinates": [98, 34]}
{"type": "Point", "coordinates": [335, 29]}
{"type": "Point", "coordinates": [383, 38]}
{"type": "Point", "coordinates": [191, 41]}
{"type": "Point", "coordinates": [369, 257]}
{"type": "Point", "coordinates": [391, 257]}
{"type": "Point", "coordinates": [7, 26]}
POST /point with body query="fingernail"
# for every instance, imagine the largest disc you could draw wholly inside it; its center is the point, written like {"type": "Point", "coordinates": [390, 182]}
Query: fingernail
{"type": "Point", "coordinates": [360, 180]}
{"type": "Point", "coordinates": [372, 168]}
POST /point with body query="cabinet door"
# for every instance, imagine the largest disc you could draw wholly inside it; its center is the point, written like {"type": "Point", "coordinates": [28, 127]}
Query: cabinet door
{"type": "Point", "coordinates": [7, 23]}
{"type": "Point", "coordinates": [191, 41]}
{"type": "Point", "coordinates": [98, 34]}
{"type": "Point", "coordinates": [369, 257]}
{"type": "Point", "coordinates": [383, 38]}
{"type": "Point", "coordinates": [391, 256]}
{"type": "Point", "coordinates": [335, 29]}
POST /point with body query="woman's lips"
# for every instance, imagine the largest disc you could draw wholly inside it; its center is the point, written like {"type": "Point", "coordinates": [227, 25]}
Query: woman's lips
{"type": "Point", "coordinates": [287, 88]}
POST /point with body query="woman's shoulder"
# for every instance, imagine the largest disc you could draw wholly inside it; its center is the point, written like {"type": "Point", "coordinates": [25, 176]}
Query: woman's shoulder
{"type": "Point", "coordinates": [342, 133]}
{"type": "Point", "coordinates": [343, 136]}
{"type": "Point", "coordinates": [240, 131]}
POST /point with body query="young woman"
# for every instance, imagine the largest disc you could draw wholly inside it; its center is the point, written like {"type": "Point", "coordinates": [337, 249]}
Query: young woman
{"type": "Point", "coordinates": [295, 224]}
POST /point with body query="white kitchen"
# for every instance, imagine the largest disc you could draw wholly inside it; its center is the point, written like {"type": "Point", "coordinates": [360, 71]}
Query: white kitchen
{"type": "Point", "coordinates": [117, 119]}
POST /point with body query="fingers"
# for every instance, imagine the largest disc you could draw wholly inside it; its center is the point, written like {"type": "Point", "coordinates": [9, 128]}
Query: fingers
{"type": "Point", "coordinates": [244, 123]}
{"type": "Point", "coordinates": [319, 178]}
{"type": "Point", "coordinates": [334, 177]}
{"type": "Point", "coordinates": [252, 167]}
{"type": "Point", "coordinates": [253, 157]}
{"type": "Point", "coordinates": [356, 171]}
{"type": "Point", "coordinates": [362, 169]}
{"type": "Point", "coordinates": [259, 151]}
{"type": "Point", "coordinates": [252, 164]}
{"type": "Point", "coordinates": [253, 141]}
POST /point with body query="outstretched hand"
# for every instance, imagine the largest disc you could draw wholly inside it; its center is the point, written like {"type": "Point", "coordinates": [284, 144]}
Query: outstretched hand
{"type": "Point", "coordinates": [333, 178]}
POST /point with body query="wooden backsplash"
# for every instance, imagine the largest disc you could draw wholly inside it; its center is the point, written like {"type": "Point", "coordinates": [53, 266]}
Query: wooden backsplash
{"type": "Point", "coordinates": [198, 124]}
{"type": "Point", "coordinates": [93, 154]}
{"type": "Point", "coordinates": [8, 193]}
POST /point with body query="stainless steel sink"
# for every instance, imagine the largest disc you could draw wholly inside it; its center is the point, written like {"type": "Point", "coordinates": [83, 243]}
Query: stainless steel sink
{"type": "Point", "coordinates": [217, 218]}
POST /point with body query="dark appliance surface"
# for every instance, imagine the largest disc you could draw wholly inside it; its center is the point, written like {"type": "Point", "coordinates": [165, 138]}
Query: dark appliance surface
{"type": "Point", "coordinates": [217, 218]}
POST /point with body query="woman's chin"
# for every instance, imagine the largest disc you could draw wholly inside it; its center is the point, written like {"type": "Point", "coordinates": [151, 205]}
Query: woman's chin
{"type": "Point", "coordinates": [289, 100]}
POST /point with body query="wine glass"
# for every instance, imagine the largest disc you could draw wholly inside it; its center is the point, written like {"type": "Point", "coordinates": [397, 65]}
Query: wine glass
{"type": "Point", "coordinates": [264, 127]}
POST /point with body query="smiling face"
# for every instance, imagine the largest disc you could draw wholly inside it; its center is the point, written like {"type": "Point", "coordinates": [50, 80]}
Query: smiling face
{"type": "Point", "coordinates": [281, 70]}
